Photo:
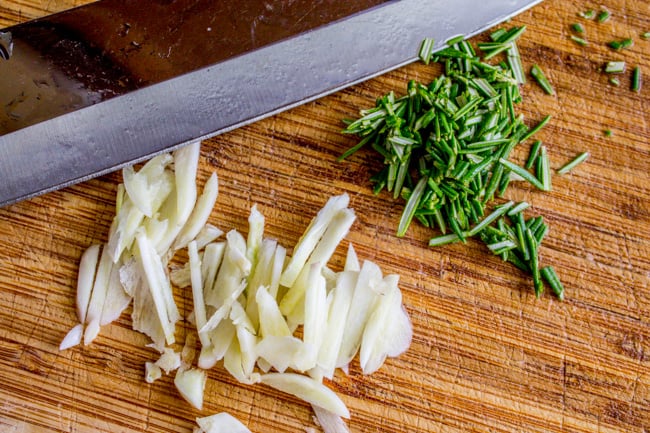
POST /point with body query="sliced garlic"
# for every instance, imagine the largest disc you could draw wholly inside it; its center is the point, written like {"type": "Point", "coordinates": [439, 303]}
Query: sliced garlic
{"type": "Point", "coordinates": [221, 423]}
{"type": "Point", "coordinates": [330, 422]}
{"type": "Point", "coordinates": [191, 385]}
{"type": "Point", "coordinates": [307, 389]}
{"type": "Point", "coordinates": [169, 360]}
{"type": "Point", "coordinates": [310, 238]}
{"type": "Point", "coordinates": [200, 214]}
{"type": "Point", "coordinates": [73, 337]}
{"type": "Point", "coordinates": [87, 269]}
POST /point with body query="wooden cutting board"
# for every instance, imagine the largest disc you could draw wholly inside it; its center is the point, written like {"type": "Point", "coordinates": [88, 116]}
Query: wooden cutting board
{"type": "Point", "coordinates": [486, 354]}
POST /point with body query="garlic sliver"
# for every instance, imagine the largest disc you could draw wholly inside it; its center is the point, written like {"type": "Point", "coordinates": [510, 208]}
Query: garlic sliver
{"type": "Point", "coordinates": [307, 389]}
{"type": "Point", "coordinates": [87, 268]}
{"type": "Point", "coordinates": [221, 423]}
{"type": "Point", "coordinates": [191, 385]}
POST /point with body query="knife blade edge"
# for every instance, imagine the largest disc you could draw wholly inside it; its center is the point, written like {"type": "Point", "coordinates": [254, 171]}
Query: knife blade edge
{"type": "Point", "coordinates": [109, 135]}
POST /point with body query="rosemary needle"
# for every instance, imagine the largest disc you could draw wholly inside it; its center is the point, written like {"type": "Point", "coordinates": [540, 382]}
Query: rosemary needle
{"type": "Point", "coordinates": [534, 152]}
{"type": "Point", "coordinates": [636, 79]}
{"type": "Point", "coordinates": [548, 273]}
{"type": "Point", "coordinates": [545, 175]}
{"type": "Point", "coordinates": [619, 45]}
{"type": "Point", "coordinates": [616, 67]}
{"type": "Point", "coordinates": [443, 240]}
{"type": "Point", "coordinates": [411, 206]}
{"type": "Point", "coordinates": [501, 210]}
{"type": "Point", "coordinates": [580, 41]}
{"type": "Point", "coordinates": [454, 40]}
{"type": "Point", "coordinates": [573, 163]}
{"type": "Point", "coordinates": [603, 16]}
{"type": "Point", "coordinates": [577, 27]}
{"type": "Point", "coordinates": [535, 129]}
{"type": "Point", "coordinates": [520, 207]}
{"type": "Point", "coordinates": [541, 79]}
{"type": "Point", "coordinates": [588, 14]}
{"type": "Point", "coordinates": [531, 244]}
{"type": "Point", "coordinates": [523, 173]}
{"type": "Point", "coordinates": [426, 50]}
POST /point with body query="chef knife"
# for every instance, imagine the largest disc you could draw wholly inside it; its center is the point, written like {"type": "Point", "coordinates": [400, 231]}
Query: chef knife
{"type": "Point", "coordinates": [92, 89]}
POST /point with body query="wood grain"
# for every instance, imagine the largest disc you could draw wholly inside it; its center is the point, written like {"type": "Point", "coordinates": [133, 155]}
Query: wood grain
{"type": "Point", "coordinates": [486, 355]}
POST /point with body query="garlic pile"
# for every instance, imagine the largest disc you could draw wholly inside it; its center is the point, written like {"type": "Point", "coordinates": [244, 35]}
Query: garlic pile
{"type": "Point", "coordinates": [284, 321]}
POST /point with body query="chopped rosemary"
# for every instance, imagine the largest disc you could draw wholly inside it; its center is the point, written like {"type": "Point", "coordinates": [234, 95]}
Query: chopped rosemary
{"type": "Point", "coordinates": [573, 163]}
{"type": "Point", "coordinates": [619, 45]}
{"type": "Point", "coordinates": [514, 61]}
{"type": "Point", "coordinates": [446, 144]}
{"type": "Point", "coordinates": [426, 50]}
{"type": "Point", "coordinates": [532, 156]}
{"type": "Point", "coordinates": [636, 79]}
{"type": "Point", "coordinates": [523, 173]}
{"type": "Point", "coordinates": [548, 273]}
{"type": "Point", "coordinates": [520, 207]}
{"type": "Point", "coordinates": [645, 35]}
{"type": "Point", "coordinates": [541, 79]}
{"type": "Point", "coordinates": [411, 206]}
{"type": "Point", "coordinates": [531, 244]}
{"type": "Point", "coordinates": [456, 39]}
{"type": "Point", "coordinates": [603, 16]}
{"type": "Point", "coordinates": [588, 14]}
{"type": "Point", "coordinates": [537, 127]}
{"type": "Point", "coordinates": [577, 27]}
{"type": "Point", "coordinates": [580, 41]}
{"type": "Point", "coordinates": [614, 81]}
{"type": "Point", "coordinates": [617, 67]}
{"type": "Point", "coordinates": [545, 170]}
{"type": "Point", "coordinates": [608, 132]}
{"type": "Point", "coordinates": [627, 43]}
{"type": "Point", "coordinates": [501, 210]}
{"type": "Point", "coordinates": [443, 240]}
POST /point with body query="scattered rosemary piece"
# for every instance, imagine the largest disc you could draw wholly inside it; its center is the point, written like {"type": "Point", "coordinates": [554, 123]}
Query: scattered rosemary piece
{"type": "Point", "coordinates": [506, 41]}
{"type": "Point", "coordinates": [536, 128]}
{"type": "Point", "coordinates": [548, 273]}
{"type": "Point", "coordinates": [614, 81]}
{"type": "Point", "coordinates": [520, 207]}
{"type": "Point", "coordinates": [617, 67]}
{"type": "Point", "coordinates": [588, 14]}
{"type": "Point", "coordinates": [541, 79]}
{"type": "Point", "coordinates": [456, 39]}
{"type": "Point", "coordinates": [636, 79]}
{"type": "Point", "coordinates": [446, 144]}
{"type": "Point", "coordinates": [531, 244]}
{"type": "Point", "coordinates": [603, 16]}
{"type": "Point", "coordinates": [645, 35]}
{"type": "Point", "coordinates": [573, 163]}
{"type": "Point", "coordinates": [500, 211]}
{"type": "Point", "coordinates": [523, 173]}
{"type": "Point", "coordinates": [443, 240]}
{"type": "Point", "coordinates": [545, 169]}
{"type": "Point", "coordinates": [578, 28]}
{"type": "Point", "coordinates": [619, 45]}
{"type": "Point", "coordinates": [580, 41]}
{"type": "Point", "coordinates": [532, 156]}
{"type": "Point", "coordinates": [607, 132]}
{"type": "Point", "coordinates": [411, 206]}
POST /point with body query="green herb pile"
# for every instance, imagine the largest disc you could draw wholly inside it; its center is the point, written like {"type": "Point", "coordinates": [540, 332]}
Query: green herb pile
{"type": "Point", "coordinates": [446, 146]}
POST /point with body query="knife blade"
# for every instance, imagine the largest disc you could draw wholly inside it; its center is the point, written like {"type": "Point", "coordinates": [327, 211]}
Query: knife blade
{"type": "Point", "coordinates": [93, 89]}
